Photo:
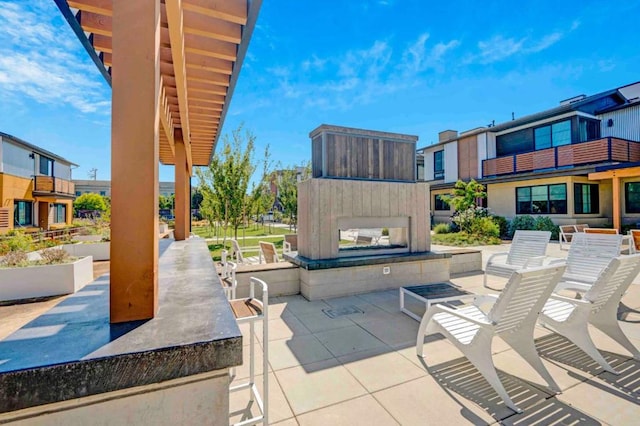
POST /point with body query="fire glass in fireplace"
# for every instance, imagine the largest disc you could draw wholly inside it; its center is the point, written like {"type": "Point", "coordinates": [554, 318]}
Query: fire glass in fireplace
{"type": "Point", "coordinates": [360, 236]}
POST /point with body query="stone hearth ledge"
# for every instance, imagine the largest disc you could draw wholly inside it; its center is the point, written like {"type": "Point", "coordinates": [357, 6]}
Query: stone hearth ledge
{"type": "Point", "coordinates": [72, 351]}
{"type": "Point", "coordinates": [347, 262]}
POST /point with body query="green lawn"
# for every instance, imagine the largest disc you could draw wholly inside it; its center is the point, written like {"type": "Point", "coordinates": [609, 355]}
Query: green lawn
{"type": "Point", "coordinates": [250, 231]}
{"type": "Point", "coordinates": [216, 248]}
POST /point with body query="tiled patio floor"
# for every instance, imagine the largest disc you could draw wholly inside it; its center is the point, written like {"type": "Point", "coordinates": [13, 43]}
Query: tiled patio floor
{"type": "Point", "coordinates": [361, 368]}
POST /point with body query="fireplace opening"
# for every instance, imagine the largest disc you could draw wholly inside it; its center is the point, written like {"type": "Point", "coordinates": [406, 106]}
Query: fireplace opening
{"type": "Point", "coordinates": [360, 236]}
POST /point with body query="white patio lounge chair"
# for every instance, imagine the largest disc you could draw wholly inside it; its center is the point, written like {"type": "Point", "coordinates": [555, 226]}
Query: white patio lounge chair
{"type": "Point", "coordinates": [512, 317]}
{"type": "Point", "coordinates": [238, 256]}
{"type": "Point", "coordinates": [570, 317]}
{"type": "Point", "coordinates": [588, 255]}
{"type": "Point", "coordinates": [566, 234]}
{"type": "Point", "coordinates": [528, 249]}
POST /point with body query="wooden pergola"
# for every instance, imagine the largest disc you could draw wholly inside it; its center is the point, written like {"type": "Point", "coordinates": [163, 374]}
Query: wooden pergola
{"type": "Point", "coordinates": [172, 66]}
{"type": "Point", "coordinates": [616, 174]}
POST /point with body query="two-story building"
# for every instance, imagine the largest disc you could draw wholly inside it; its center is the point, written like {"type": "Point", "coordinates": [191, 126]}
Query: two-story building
{"type": "Point", "coordinates": [36, 191]}
{"type": "Point", "coordinates": [554, 163]}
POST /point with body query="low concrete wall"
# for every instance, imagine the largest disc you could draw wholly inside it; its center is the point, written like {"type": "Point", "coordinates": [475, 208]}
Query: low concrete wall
{"type": "Point", "coordinates": [99, 251]}
{"type": "Point", "coordinates": [283, 278]}
{"type": "Point", "coordinates": [336, 282]}
{"type": "Point", "coordinates": [464, 260]}
{"type": "Point", "coordinates": [45, 280]}
{"type": "Point", "coordinates": [201, 399]}
{"type": "Point", "coordinates": [86, 238]}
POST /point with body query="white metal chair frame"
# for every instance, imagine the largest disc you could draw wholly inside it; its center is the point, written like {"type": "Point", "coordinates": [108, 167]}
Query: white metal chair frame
{"type": "Point", "coordinates": [566, 233]}
{"type": "Point", "coordinates": [512, 316]}
{"type": "Point", "coordinates": [599, 306]}
{"type": "Point", "coordinates": [228, 279]}
{"type": "Point", "coordinates": [250, 310]}
{"type": "Point", "coordinates": [528, 250]}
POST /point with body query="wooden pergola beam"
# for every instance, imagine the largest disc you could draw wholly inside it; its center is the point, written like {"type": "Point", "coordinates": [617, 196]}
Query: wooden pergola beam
{"type": "Point", "coordinates": [100, 7]}
{"type": "Point", "coordinates": [229, 10]}
{"type": "Point", "coordinates": [175, 21]}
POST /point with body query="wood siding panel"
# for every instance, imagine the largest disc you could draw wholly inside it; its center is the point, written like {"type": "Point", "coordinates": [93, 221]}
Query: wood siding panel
{"type": "Point", "coordinates": [619, 150]}
{"type": "Point", "coordinates": [583, 153]}
{"type": "Point", "coordinates": [467, 158]}
{"type": "Point", "coordinates": [316, 155]}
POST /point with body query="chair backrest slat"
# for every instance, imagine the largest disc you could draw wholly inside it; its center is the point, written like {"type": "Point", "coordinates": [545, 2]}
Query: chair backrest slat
{"type": "Point", "coordinates": [608, 231]}
{"type": "Point", "coordinates": [589, 254]}
{"type": "Point", "coordinates": [269, 252]}
{"type": "Point", "coordinates": [614, 279]}
{"type": "Point", "coordinates": [527, 244]}
{"type": "Point", "coordinates": [635, 238]}
{"type": "Point", "coordinates": [524, 296]}
{"type": "Point", "coordinates": [236, 253]}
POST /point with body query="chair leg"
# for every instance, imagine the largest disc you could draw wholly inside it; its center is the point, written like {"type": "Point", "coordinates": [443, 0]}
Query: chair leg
{"type": "Point", "coordinates": [252, 357]}
{"type": "Point", "coordinates": [480, 357]}
{"type": "Point", "coordinates": [422, 331]}
{"type": "Point", "coordinates": [526, 348]}
{"type": "Point", "coordinates": [613, 330]}
{"type": "Point", "coordinates": [579, 335]}
{"type": "Point", "coordinates": [484, 280]}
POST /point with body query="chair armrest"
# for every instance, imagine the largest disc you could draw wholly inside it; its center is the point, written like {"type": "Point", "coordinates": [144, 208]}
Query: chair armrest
{"type": "Point", "coordinates": [534, 261]}
{"type": "Point", "coordinates": [483, 299]}
{"type": "Point", "coordinates": [442, 308]}
{"type": "Point", "coordinates": [570, 300]}
{"type": "Point", "coordinates": [496, 255]}
{"type": "Point", "coordinates": [572, 285]}
{"type": "Point", "coordinates": [286, 247]}
{"type": "Point", "coordinates": [554, 260]}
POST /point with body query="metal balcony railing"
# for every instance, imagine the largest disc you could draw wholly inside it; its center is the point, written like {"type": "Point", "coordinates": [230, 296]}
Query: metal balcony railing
{"type": "Point", "coordinates": [602, 150]}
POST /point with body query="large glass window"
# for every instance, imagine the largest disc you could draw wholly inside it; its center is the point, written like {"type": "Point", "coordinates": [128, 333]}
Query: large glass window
{"type": "Point", "coordinates": [22, 213]}
{"type": "Point", "coordinates": [555, 134]}
{"type": "Point", "coordinates": [438, 165]}
{"type": "Point", "coordinates": [439, 203]}
{"type": "Point", "coordinates": [46, 166]}
{"type": "Point", "coordinates": [542, 199]}
{"type": "Point", "coordinates": [59, 213]}
{"type": "Point", "coordinates": [586, 198]}
{"type": "Point", "coordinates": [632, 197]}
{"type": "Point", "coordinates": [589, 129]}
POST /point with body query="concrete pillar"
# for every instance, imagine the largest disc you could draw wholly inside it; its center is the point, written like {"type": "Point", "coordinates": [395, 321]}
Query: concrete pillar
{"type": "Point", "coordinates": [183, 197]}
{"type": "Point", "coordinates": [134, 157]}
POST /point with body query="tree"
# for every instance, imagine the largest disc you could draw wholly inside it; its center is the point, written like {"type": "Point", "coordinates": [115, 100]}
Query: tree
{"type": "Point", "coordinates": [287, 183]}
{"type": "Point", "coordinates": [465, 195]}
{"type": "Point", "coordinates": [261, 199]}
{"type": "Point", "coordinates": [225, 182]}
{"type": "Point", "coordinates": [90, 201]}
{"type": "Point", "coordinates": [166, 201]}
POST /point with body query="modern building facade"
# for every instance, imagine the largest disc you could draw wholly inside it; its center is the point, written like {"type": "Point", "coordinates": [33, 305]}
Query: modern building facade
{"type": "Point", "coordinates": [544, 163]}
{"type": "Point", "coordinates": [35, 187]}
{"type": "Point", "coordinates": [103, 187]}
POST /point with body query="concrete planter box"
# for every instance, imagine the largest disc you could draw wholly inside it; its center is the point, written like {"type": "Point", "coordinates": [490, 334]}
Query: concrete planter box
{"type": "Point", "coordinates": [45, 280]}
{"type": "Point", "coordinates": [163, 228]}
{"type": "Point", "coordinates": [99, 251]}
{"type": "Point", "coordinates": [87, 238]}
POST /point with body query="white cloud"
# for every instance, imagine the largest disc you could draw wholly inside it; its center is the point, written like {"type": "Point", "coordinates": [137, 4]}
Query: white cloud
{"type": "Point", "coordinates": [36, 60]}
{"type": "Point", "coordinates": [417, 58]}
{"type": "Point", "coordinates": [546, 41]}
{"type": "Point", "coordinates": [498, 48]}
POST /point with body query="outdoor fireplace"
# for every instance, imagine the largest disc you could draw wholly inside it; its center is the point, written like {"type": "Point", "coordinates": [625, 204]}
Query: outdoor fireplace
{"type": "Point", "coordinates": [363, 220]}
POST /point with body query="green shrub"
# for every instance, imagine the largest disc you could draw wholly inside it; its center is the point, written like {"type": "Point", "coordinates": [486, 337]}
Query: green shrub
{"type": "Point", "coordinates": [503, 225]}
{"type": "Point", "coordinates": [544, 223]}
{"type": "Point", "coordinates": [441, 228]}
{"type": "Point", "coordinates": [385, 232]}
{"type": "Point", "coordinates": [462, 239]}
{"type": "Point", "coordinates": [486, 227]}
{"type": "Point", "coordinates": [15, 240]}
{"type": "Point", "coordinates": [525, 222]}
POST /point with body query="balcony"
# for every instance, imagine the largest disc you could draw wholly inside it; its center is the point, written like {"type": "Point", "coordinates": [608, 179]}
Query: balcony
{"type": "Point", "coordinates": [49, 185]}
{"type": "Point", "coordinates": [591, 152]}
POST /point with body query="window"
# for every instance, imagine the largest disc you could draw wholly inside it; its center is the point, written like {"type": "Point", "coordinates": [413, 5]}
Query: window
{"type": "Point", "coordinates": [438, 165]}
{"type": "Point", "coordinates": [22, 213]}
{"type": "Point", "coordinates": [556, 134]}
{"type": "Point", "coordinates": [103, 193]}
{"type": "Point", "coordinates": [78, 193]}
{"type": "Point", "coordinates": [439, 203]}
{"type": "Point", "coordinates": [589, 129]}
{"type": "Point", "coordinates": [542, 199]}
{"type": "Point", "coordinates": [632, 197]}
{"type": "Point", "coordinates": [586, 198]}
{"type": "Point", "coordinates": [59, 213]}
{"type": "Point", "coordinates": [46, 166]}
{"type": "Point", "coordinates": [515, 142]}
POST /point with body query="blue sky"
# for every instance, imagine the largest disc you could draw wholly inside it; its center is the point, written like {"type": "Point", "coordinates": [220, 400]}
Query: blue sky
{"type": "Point", "coordinates": [414, 67]}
